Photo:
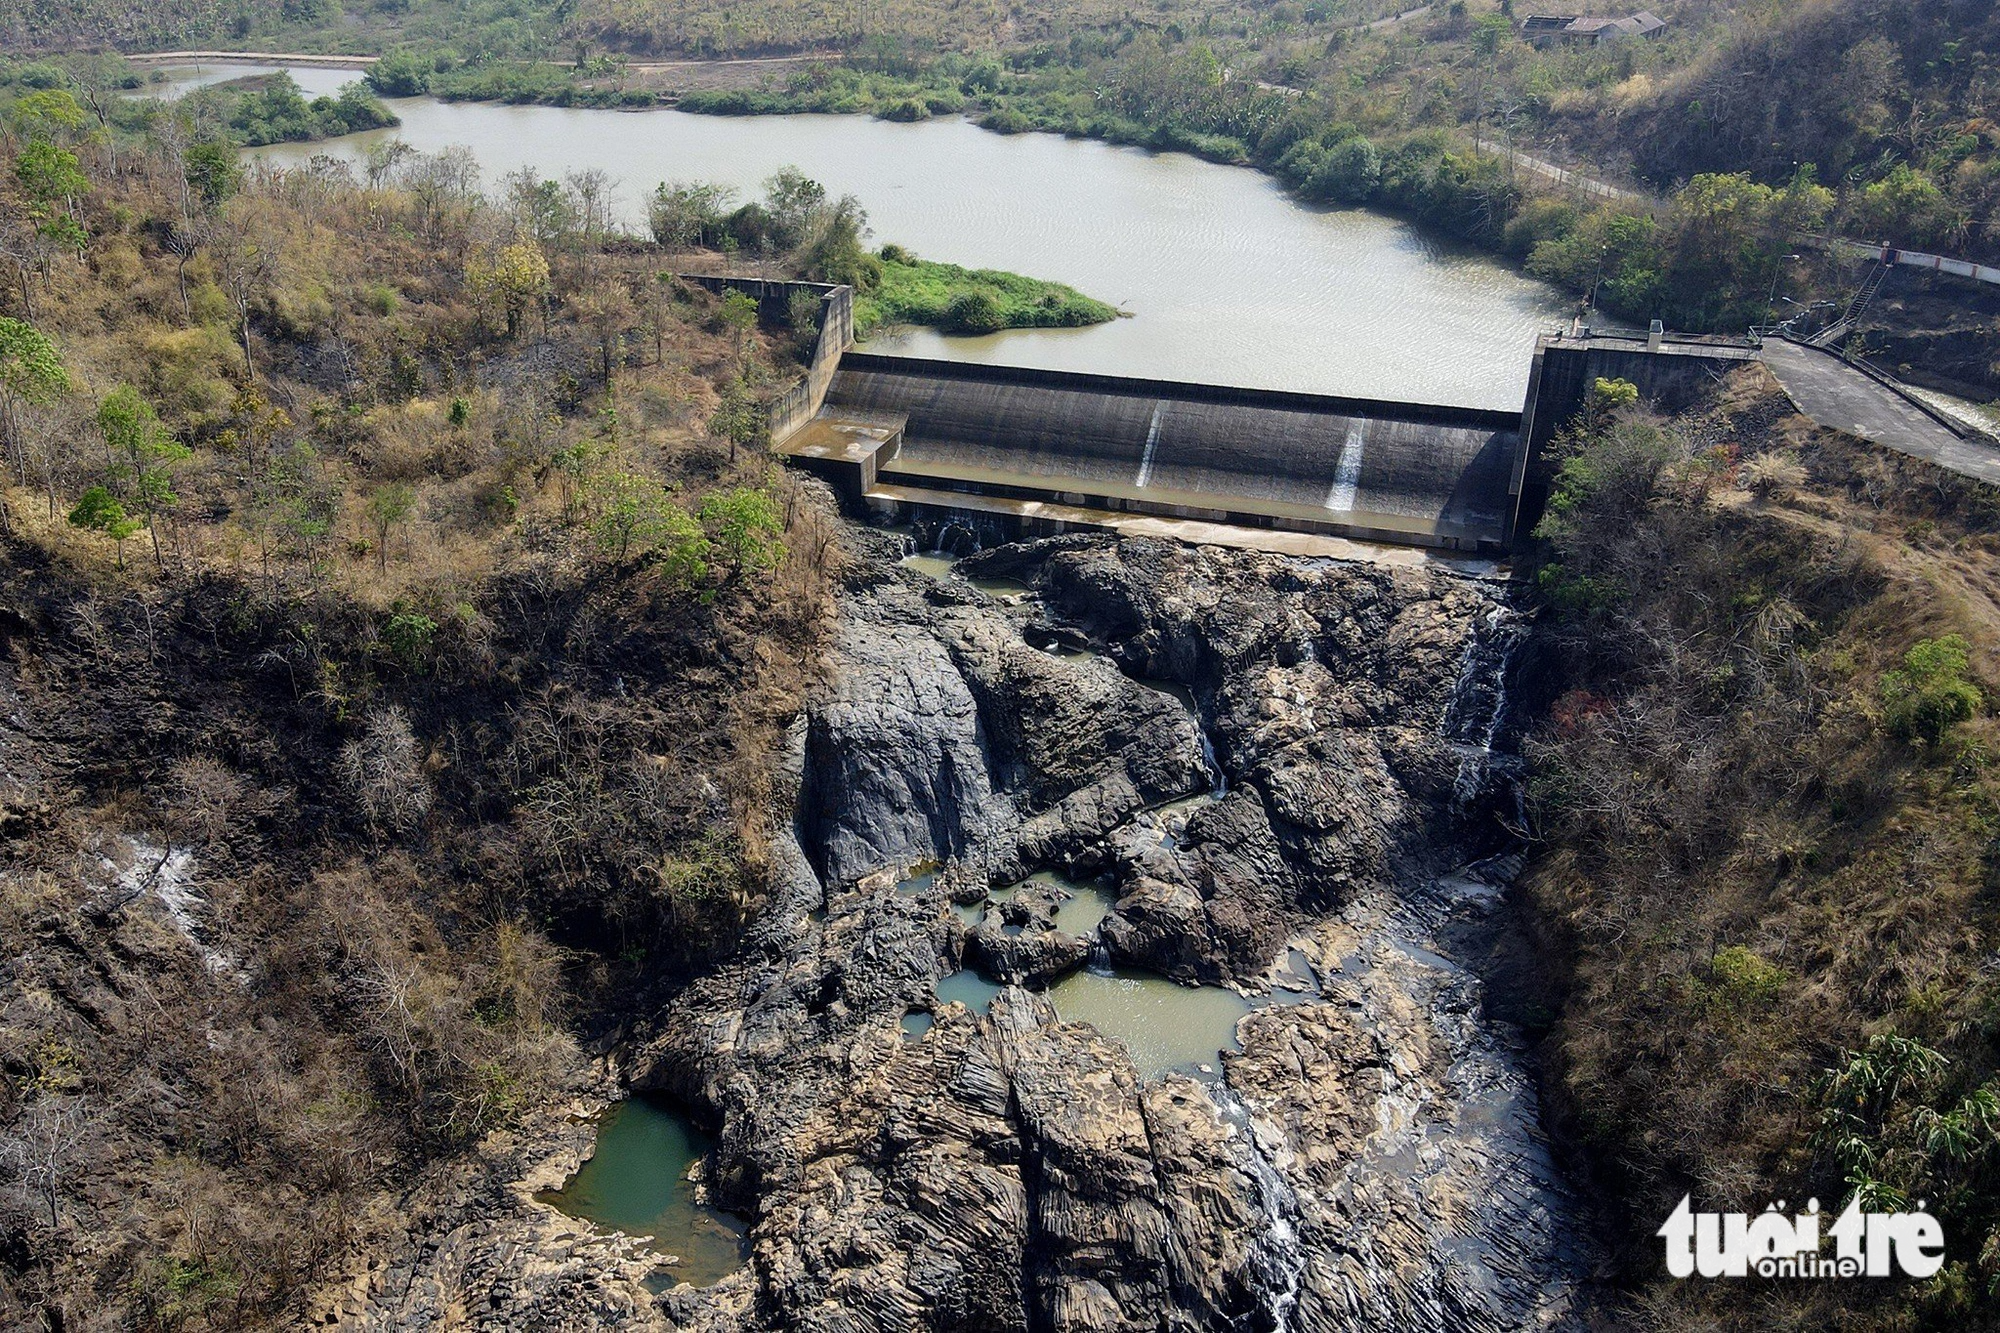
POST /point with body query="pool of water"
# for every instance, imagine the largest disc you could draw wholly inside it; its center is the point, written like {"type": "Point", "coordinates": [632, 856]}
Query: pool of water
{"type": "Point", "coordinates": [1084, 903]}
{"type": "Point", "coordinates": [937, 565]}
{"type": "Point", "coordinates": [1165, 1025]}
{"type": "Point", "coordinates": [1228, 280]}
{"type": "Point", "coordinates": [636, 1182]}
{"type": "Point", "coordinates": [969, 989]}
{"type": "Point", "coordinates": [930, 563]}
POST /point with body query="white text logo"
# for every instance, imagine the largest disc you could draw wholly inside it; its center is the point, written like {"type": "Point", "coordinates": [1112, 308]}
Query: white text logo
{"type": "Point", "coordinates": [1774, 1245]}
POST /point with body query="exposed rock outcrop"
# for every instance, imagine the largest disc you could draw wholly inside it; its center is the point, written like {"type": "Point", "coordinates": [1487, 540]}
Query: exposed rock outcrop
{"type": "Point", "coordinates": [1370, 1158]}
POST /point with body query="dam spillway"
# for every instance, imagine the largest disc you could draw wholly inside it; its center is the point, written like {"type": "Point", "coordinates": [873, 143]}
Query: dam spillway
{"type": "Point", "coordinates": [1409, 473]}
{"type": "Point", "coordinates": [1024, 452]}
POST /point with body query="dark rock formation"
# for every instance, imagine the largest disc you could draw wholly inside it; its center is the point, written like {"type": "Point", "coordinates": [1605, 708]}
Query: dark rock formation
{"type": "Point", "coordinates": [1372, 1157]}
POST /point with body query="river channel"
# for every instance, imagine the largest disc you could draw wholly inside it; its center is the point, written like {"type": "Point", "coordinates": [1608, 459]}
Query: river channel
{"type": "Point", "coordinates": [1227, 279]}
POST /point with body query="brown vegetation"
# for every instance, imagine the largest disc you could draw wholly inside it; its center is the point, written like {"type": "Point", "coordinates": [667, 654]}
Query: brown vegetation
{"type": "Point", "coordinates": [438, 713]}
{"type": "Point", "coordinates": [1769, 806]}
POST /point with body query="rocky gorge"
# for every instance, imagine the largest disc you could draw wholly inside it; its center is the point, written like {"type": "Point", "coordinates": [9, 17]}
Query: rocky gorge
{"type": "Point", "coordinates": [1329, 816]}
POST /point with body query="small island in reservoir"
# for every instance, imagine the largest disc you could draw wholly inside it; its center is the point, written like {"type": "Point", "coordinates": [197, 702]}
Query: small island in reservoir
{"type": "Point", "coordinates": [959, 300]}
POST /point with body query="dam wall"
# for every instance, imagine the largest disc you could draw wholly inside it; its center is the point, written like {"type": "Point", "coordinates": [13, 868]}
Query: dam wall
{"type": "Point", "coordinates": [1404, 472]}
{"type": "Point", "coordinates": [801, 402]}
{"type": "Point", "coordinates": [1043, 450]}
{"type": "Point", "coordinates": [1668, 372]}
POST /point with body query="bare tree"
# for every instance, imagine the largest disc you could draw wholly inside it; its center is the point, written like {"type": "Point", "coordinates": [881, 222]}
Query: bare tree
{"type": "Point", "coordinates": [383, 770]}
{"type": "Point", "coordinates": [44, 1150]}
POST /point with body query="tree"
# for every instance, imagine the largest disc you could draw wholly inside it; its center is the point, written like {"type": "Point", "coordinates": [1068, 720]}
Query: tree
{"type": "Point", "coordinates": [383, 772]}
{"type": "Point", "coordinates": [97, 511]}
{"type": "Point", "coordinates": [606, 309]}
{"type": "Point", "coordinates": [54, 1135]}
{"type": "Point", "coordinates": [386, 508]}
{"type": "Point", "coordinates": [133, 430]}
{"type": "Point", "coordinates": [794, 200]}
{"type": "Point", "coordinates": [31, 371]}
{"type": "Point", "coordinates": [512, 276]}
{"type": "Point", "coordinates": [630, 510]}
{"type": "Point", "coordinates": [745, 525]}
{"type": "Point", "coordinates": [245, 257]}
{"type": "Point", "coordinates": [49, 116]}
{"type": "Point", "coordinates": [689, 214]}
{"type": "Point", "coordinates": [53, 185]}
{"type": "Point", "coordinates": [834, 252]}
{"type": "Point", "coordinates": [739, 314]}
{"type": "Point", "coordinates": [1349, 173]}
{"type": "Point", "coordinates": [739, 419]}
{"type": "Point", "coordinates": [212, 173]}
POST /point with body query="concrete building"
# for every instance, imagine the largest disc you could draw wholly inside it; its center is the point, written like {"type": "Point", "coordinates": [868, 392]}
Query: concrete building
{"type": "Point", "coordinates": [1542, 29]}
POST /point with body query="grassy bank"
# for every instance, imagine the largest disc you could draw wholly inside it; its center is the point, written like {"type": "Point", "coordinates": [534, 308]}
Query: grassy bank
{"type": "Point", "coordinates": [970, 301]}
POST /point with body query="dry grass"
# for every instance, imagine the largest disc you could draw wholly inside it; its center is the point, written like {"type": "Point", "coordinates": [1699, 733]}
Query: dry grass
{"type": "Point", "coordinates": [1779, 878]}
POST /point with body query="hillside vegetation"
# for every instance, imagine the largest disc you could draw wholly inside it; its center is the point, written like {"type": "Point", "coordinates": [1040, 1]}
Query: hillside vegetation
{"type": "Point", "coordinates": [1768, 799]}
{"type": "Point", "coordinates": [1758, 120]}
{"type": "Point", "coordinates": [399, 612]}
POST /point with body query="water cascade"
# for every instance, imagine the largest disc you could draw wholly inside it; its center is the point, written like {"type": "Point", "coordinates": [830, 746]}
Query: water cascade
{"type": "Point", "coordinates": [1475, 714]}
{"type": "Point", "coordinates": [1279, 1258]}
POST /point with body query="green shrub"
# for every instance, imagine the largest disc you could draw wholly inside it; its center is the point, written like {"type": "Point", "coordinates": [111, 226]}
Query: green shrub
{"type": "Point", "coordinates": [1742, 978]}
{"type": "Point", "coordinates": [1930, 694]}
{"type": "Point", "coordinates": [974, 312]}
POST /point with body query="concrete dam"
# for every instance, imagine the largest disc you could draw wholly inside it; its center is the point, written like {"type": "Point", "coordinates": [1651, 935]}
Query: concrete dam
{"type": "Point", "coordinates": [1020, 452]}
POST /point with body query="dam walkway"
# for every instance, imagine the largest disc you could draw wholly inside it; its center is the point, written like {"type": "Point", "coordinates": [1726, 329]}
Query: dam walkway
{"type": "Point", "coordinates": [1840, 396]}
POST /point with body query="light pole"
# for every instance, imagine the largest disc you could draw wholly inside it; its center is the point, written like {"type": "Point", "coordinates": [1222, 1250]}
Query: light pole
{"type": "Point", "coordinates": [1771, 300]}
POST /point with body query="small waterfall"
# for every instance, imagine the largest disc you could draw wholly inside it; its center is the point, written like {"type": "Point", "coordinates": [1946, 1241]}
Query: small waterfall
{"type": "Point", "coordinates": [1279, 1257]}
{"type": "Point", "coordinates": [1475, 715]}
{"type": "Point", "coordinates": [1152, 443]}
{"type": "Point", "coordinates": [1346, 486]}
{"type": "Point", "coordinates": [1221, 787]}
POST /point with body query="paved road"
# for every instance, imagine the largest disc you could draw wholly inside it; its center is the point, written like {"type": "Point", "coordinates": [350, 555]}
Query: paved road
{"type": "Point", "coordinates": [250, 58]}
{"type": "Point", "coordinates": [1842, 398]}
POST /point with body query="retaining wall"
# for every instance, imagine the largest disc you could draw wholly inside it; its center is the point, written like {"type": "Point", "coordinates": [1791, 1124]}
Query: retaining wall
{"type": "Point", "coordinates": [1668, 375]}
{"type": "Point", "coordinates": [801, 402]}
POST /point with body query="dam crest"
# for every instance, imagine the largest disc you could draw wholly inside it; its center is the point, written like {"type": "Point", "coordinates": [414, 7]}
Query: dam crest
{"type": "Point", "coordinates": [1014, 452]}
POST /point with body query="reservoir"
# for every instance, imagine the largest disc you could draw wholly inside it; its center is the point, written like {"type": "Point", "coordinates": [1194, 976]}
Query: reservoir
{"type": "Point", "coordinates": [1227, 279]}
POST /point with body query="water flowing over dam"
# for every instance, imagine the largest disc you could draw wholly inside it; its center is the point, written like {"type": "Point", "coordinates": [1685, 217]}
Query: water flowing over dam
{"type": "Point", "coordinates": [1433, 476]}
{"type": "Point", "coordinates": [1009, 452]}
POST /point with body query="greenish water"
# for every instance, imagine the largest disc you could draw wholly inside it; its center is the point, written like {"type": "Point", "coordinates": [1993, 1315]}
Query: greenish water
{"type": "Point", "coordinates": [969, 989]}
{"type": "Point", "coordinates": [937, 565]}
{"type": "Point", "coordinates": [1084, 902]}
{"type": "Point", "coordinates": [916, 1023]}
{"type": "Point", "coordinates": [636, 1183]}
{"type": "Point", "coordinates": [930, 563]}
{"type": "Point", "coordinates": [917, 885]}
{"type": "Point", "coordinates": [1165, 1025]}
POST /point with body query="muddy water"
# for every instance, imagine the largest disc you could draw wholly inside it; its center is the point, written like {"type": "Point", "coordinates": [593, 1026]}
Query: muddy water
{"type": "Point", "coordinates": [1226, 278]}
{"type": "Point", "coordinates": [635, 1183]}
{"type": "Point", "coordinates": [1164, 1024]}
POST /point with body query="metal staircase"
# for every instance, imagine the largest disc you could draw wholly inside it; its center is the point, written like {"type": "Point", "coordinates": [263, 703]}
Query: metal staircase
{"type": "Point", "coordinates": [1865, 296]}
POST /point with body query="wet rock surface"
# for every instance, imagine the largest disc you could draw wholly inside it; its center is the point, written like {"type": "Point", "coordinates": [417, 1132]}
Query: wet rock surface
{"type": "Point", "coordinates": [1370, 1157]}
